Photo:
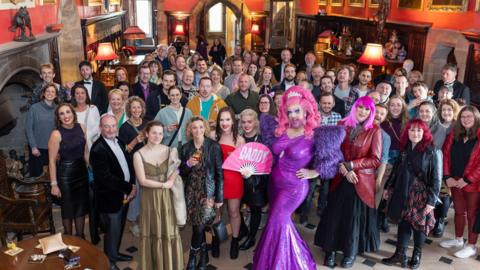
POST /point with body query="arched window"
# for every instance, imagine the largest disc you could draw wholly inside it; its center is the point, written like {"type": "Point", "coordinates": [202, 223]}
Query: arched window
{"type": "Point", "coordinates": [216, 16]}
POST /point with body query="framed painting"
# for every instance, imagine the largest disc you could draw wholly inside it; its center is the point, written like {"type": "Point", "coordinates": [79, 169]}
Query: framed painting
{"type": "Point", "coordinates": [114, 2]}
{"type": "Point", "coordinates": [410, 4]}
{"type": "Point", "coordinates": [373, 3]}
{"type": "Point", "coordinates": [92, 3]}
{"type": "Point", "coordinates": [448, 5]}
{"type": "Point", "coordinates": [16, 4]}
{"type": "Point", "coordinates": [356, 3]}
{"type": "Point", "coordinates": [47, 2]}
{"type": "Point", "coordinates": [336, 3]}
{"type": "Point", "coordinates": [322, 2]}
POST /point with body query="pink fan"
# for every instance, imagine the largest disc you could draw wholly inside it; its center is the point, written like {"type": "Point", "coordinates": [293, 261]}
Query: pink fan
{"type": "Point", "coordinates": [253, 157]}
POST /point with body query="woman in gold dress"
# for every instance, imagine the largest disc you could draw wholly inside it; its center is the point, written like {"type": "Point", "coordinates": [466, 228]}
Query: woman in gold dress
{"type": "Point", "coordinates": [156, 168]}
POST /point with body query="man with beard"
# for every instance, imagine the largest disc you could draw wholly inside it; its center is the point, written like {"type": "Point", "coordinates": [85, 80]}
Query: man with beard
{"type": "Point", "coordinates": [288, 78]}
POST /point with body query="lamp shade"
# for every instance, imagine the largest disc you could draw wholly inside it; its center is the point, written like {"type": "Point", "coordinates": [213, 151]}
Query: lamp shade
{"type": "Point", "coordinates": [133, 32]}
{"type": "Point", "coordinates": [373, 55]}
{"type": "Point", "coordinates": [255, 28]}
{"type": "Point", "coordinates": [179, 30]}
{"type": "Point", "coordinates": [105, 52]}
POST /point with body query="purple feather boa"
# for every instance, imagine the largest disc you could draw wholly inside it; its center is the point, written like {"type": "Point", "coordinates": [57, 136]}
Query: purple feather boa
{"type": "Point", "coordinates": [328, 154]}
{"type": "Point", "coordinates": [327, 141]}
{"type": "Point", "coordinates": [268, 124]}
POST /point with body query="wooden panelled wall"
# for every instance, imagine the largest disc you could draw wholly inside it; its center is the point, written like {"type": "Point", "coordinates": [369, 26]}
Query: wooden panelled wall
{"type": "Point", "coordinates": [412, 35]}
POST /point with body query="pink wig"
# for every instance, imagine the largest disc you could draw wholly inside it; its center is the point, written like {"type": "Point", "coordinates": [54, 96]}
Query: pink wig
{"type": "Point", "coordinates": [298, 95]}
{"type": "Point", "coordinates": [351, 119]}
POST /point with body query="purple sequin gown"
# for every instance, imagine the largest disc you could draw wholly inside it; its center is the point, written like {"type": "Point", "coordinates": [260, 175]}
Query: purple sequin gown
{"type": "Point", "coordinates": [280, 246]}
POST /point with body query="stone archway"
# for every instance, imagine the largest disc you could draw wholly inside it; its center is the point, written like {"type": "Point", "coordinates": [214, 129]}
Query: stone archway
{"type": "Point", "coordinates": [234, 5]}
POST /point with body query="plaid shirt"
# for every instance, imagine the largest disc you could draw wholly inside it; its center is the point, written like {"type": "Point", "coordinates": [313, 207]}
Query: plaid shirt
{"type": "Point", "coordinates": [331, 119]}
{"type": "Point", "coordinates": [352, 97]}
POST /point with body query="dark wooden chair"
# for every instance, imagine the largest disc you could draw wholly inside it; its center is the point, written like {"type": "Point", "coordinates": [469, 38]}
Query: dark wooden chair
{"type": "Point", "coordinates": [25, 205]}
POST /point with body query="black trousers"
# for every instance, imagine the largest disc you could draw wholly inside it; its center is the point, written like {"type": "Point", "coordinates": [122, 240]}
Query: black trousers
{"type": "Point", "coordinates": [404, 233]}
{"type": "Point", "coordinates": [93, 216]}
{"type": "Point", "coordinates": [36, 164]}
{"type": "Point", "coordinates": [322, 196]}
{"type": "Point", "coordinates": [114, 224]}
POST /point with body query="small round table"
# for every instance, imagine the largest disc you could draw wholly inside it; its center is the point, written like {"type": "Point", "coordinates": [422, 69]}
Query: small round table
{"type": "Point", "coordinates": [90, 256]}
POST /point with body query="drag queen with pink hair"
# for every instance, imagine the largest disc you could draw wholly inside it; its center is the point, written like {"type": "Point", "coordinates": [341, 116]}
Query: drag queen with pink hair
{"type": "Point", "coordinates": [348, 223]}
{"type": "Point", "coordinates": [302, 151]}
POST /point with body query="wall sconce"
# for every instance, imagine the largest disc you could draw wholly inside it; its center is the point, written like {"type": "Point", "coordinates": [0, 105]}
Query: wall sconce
{"type": "Point", "coordinates": [255, 29]}
{"type": "Point", "coordinates": [179, 30]}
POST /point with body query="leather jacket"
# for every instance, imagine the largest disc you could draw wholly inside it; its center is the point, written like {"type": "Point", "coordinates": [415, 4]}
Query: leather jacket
{"type": "Point", "coordinates": [472, 170]}
{"type": "Point", "coordinates": [212, 160]}
{"type": "Point", "coordinates": [430, 173]}
{"type": "Point", "coordinates": [363, 155]}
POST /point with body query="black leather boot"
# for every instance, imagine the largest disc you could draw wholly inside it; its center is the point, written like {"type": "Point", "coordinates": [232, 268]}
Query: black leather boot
{"type": "Point", "coordinates": [203, 261]}
{"type": "Point", "coordinates": [215, 248]}
{"type": "Point", "coordinates": [248, 243]}
{"type": "Point", "coordinates": [400, 256]}
{"type": "Point", "coordinates": [192, 259]}
{"type": "Point", "coordinates": [439, 228]}
{"type": "Point", "coordinates": [234, 248]}
{"type": "Point", "coordinates": [243, 231]}
{"type": "Point", "coordinates": [414, 262]}
{"type": "Point", "coordinates": [329, 260]}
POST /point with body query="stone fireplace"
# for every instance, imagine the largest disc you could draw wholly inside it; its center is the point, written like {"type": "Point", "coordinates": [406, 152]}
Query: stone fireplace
{"type": "Point", "coordinates": [19, 73]}
{"type": "Point", "coordinates": [440, 43]}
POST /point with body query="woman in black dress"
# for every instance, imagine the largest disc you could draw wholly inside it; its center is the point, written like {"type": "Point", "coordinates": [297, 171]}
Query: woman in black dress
{"type": "Point", "coordinates": [67, 156]}
{"type": "Point", "coordinates": [412, 191]}
{"type": "Point", "coordinates": [255, 186]}
{"type": "Point", "coordinates": [201, 171]}
{"type": "Point", "coordinates": [130, 133]}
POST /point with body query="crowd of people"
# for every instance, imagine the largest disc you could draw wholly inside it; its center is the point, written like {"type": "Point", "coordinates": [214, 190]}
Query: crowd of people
{"type": "Point", "coordinates": [381, 150]}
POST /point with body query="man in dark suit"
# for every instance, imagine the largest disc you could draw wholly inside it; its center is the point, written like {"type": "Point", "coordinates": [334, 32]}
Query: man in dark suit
{"type": "Point", "coordinates": [460, 92]}
{"type": "Point", "coordinates": [288, 78]}
{"type": "Point", "coordinates": [143, 88]}
{"type": "Point", "coordinates": [114, 186]}
{"type": "Point", "coordinates": [278, 70]}
{"type": "Point", "coordinates": [96, 89]}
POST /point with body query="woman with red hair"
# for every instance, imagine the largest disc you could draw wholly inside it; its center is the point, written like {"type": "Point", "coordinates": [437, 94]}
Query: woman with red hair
{"type": "Point", "coordinates": [348, 223]}
{"type": "Point", "coordinates": [412, 191]}
{"type": "Point", "coordinates": [461, 172]}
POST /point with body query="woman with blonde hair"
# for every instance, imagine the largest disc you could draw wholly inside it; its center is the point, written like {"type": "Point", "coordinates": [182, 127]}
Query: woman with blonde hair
{"type": "Point", "coordinates": [216, 74]}
{"type": "Point", "coordinates": [201, 170]}
{"type": "Point", "coordinates": [116, 106]}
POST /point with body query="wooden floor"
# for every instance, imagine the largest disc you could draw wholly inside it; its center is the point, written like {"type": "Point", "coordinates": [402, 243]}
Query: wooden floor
{"type": "Point", "coordinates": [430, 260]}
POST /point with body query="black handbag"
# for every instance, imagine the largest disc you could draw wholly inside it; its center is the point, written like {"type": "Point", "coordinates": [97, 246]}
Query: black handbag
{"type": "Point", "coordinates": [220, 231]}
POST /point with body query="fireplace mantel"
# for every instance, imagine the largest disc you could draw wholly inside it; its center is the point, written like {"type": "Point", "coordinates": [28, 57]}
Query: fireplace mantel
{"type": "Point", "coordinates": [15, 47]}
{"type": "Point", "coordinates": [18, 56]}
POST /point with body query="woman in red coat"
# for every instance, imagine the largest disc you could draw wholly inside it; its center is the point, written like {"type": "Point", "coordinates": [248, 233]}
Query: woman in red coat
{"type": "Point", "coordinates": [348, 223]}
{"type": "Point", "coordinates": [461, 172]}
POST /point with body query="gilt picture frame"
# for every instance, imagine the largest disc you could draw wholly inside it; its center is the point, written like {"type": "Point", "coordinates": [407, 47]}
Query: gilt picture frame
{"type": "Point", "coordinates": [336, 3]}
{"type": "Point", "coordinates": [410, 4]}
{"type": "Point", "coordinates": [16, 4]}
{"type": "Point", "coordinates": [448, 5]}
{"type": "Point", "coordinates": [356, 3]}
{"type": "Point", "coordinates": [373, 3]}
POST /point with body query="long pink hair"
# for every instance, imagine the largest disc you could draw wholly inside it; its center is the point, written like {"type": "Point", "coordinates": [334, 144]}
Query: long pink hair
{"type": "Point", "coordinates": [351, 119]}
{"type": "Point", "coordinates": [306, 101]}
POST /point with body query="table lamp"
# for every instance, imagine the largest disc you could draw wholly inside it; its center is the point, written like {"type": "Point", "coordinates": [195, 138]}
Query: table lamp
{"type": "Point", "coordinates": [106, 53]}
{"type": "Point", "coordinates": [372, 56]}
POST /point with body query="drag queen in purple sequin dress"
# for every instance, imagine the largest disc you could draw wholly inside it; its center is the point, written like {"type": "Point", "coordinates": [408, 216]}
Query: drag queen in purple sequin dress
{"type": "Point", "coordinates": [302, 151]}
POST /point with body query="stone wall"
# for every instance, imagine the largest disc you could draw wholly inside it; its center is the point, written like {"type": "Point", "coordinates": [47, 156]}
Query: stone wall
{"type": "Point", "coordinates": [440, 43]}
